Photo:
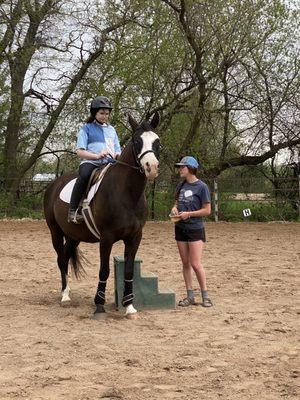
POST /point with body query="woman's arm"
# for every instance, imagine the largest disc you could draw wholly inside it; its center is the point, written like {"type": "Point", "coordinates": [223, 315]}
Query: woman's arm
{"type": "Point", "coordinates": [88, 155]}
{"type": "Point", "coordinates": [203, 212]}
{"type": "Point", "coordinates": [82, 144]}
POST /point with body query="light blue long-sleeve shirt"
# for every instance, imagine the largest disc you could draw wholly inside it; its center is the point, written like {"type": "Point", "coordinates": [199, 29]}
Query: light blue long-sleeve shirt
{"type": "Point", "coordinates": [95, 137]}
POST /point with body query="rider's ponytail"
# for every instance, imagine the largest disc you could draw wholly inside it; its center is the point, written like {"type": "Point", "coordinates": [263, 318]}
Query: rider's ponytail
{"type": "Point", "coordinates": [90, 119]}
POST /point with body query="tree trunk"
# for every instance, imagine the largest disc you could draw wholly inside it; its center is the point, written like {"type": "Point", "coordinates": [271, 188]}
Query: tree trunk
{"type": "Point", "coordinates": [11, 173]}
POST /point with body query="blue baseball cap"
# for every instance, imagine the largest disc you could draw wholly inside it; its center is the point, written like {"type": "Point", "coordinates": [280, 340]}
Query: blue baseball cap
{"type": "Point", "coordinates": [188, 161]}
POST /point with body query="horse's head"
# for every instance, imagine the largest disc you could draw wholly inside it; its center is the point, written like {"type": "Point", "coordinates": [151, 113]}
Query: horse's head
{"type": "Point", "coordinates": [146, 145]}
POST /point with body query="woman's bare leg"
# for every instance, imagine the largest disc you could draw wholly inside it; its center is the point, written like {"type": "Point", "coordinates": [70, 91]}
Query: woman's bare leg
{"type": "Point", "coordinates": [187, 271]}
{"type": "Point", "coordinates": [195, 256]}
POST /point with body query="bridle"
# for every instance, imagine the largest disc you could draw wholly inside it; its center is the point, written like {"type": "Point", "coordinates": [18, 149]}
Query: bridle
{"type": "Point", "coordinates": [136, 158]}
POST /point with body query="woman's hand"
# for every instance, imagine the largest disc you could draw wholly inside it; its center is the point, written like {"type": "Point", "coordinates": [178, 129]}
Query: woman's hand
{"type": "Point", "coordinates": [185, 215]}
{"type": "Point", "coordinates": [102, 154]}
{"type": "Point", "coordinates": [174, 211]}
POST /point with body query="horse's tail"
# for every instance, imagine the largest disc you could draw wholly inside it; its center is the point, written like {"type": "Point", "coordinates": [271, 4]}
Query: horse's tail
{"type": "Point", "coordinates": [76, 258]}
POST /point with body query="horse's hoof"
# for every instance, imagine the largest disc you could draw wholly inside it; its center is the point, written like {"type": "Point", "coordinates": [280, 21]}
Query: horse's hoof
{"type": "Point", "coordinates": [132, 316]}
{"type": "Point", "coordinates": [131, 312]}
{"type": "Point", "coordinates": [99, 316]}
{"type": "Point", "coordinates": [99, 312]}
{"type": "Point", "coordinates": [65, 303]}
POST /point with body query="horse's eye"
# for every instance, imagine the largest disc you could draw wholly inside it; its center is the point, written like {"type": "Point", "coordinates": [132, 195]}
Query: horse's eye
{"type": "Point", "coordinates": [156, 148]}
{"type": "Point", "coordinates": [156, 145]}
{"type": "Point", "coordinates": [137, 142]}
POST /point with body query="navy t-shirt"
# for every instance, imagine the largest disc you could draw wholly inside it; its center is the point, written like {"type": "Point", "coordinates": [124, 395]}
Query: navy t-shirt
{"type": "Point", "coordinates": [191, 197]}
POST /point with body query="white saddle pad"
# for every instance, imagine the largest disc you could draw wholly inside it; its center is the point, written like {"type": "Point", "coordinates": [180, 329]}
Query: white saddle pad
{"type": "Point", "coordinates": [65, 194]}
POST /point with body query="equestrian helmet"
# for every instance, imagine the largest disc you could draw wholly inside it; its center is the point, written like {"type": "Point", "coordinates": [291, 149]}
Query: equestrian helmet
{"type": "Point", "coordinates": [100, 102]}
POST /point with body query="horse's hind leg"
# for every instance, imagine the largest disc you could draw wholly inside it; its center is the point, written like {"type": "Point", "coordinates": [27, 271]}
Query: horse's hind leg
{"type": "Point", "coordinates": [69, 249]}
{"type": "Point", "coordinates": [63, 255]}
{"type": "Point", "coordinates": [58, 244]}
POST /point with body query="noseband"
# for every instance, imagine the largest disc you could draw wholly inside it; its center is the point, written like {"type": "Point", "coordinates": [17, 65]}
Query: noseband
{"type": "Point", "coordinates": [139, 158]}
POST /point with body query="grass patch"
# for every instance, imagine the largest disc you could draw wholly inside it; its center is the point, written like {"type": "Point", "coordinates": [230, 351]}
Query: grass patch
{"type": "Point", "coordinates": [261, 211]}
{"type": "Point", "coordinates": [29, 206]}
{"type": "Point", "coordinates": [229, 209]}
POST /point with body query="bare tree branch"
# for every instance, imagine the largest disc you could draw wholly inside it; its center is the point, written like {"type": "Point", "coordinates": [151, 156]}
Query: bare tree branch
{"type": "Point", "coordinates": [251, 160]}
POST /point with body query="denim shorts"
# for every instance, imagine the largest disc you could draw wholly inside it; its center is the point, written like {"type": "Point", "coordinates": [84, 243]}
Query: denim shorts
{"type": "Point", "coordinates": [189, 235]}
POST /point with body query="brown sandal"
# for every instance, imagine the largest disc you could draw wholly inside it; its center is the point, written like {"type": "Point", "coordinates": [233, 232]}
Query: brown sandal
{"type": "Point", "coordinates": [206, 302]}
{"type": "Point", "coordinates": [186, 302]}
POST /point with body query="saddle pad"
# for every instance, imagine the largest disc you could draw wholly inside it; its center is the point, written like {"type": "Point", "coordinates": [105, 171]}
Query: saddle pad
{"type": "Point", "coordinates": [65, 194]}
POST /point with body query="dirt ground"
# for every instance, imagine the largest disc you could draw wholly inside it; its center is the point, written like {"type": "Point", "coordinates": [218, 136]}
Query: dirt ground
{"type": "Point", "coordinates": [245, 347]}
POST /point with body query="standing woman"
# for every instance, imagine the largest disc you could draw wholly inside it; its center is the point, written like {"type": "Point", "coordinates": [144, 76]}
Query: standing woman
{"type": "Point", "coordinates": [97, 142]}
{"type": "Point", "coordinates": [192, 203]}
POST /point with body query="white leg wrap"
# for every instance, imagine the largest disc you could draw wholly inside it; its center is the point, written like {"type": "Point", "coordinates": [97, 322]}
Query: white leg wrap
{"type": "Point", "coordinates": [65, 294]}
{"type": "Point", "coordinates": [130, 310]}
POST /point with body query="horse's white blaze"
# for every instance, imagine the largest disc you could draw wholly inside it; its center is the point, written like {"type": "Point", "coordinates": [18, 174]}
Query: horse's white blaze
{"type": "Point", "coordinates": [149, 162]}
{"type": "Point", "coordinates": [65, 294]}
{"type": "Point", "coordinates": [130, 310]}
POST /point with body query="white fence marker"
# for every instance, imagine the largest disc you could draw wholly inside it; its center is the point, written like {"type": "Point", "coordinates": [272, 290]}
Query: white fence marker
{"type": "Point", "coordinates": [247, 212]}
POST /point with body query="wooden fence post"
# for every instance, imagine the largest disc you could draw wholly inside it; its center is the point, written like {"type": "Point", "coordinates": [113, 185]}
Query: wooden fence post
{"type": "Point", "coordinates": [216, 200]}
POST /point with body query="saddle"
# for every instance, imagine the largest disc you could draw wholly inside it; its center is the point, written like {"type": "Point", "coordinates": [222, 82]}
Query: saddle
{"type": "Point", "coordinates": [94, 182]}
{"type": "Point", "coordinates": [84, 206]}
{"type": "Point", "coordinates": [93, 185]}
{"type": "Point", "coordinates": [96, 176]}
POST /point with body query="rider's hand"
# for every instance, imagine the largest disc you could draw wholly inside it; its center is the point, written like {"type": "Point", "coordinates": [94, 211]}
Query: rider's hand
{"type": "Point", "coordinates": [102, 154]}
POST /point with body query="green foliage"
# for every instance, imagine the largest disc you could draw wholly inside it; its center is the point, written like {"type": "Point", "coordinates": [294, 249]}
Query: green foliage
{"type": "Point", "coordinates": [245, 179]}
{"type": "Point", "coordinates": [266, 211]}
{"type": "Point", "coordinates": [229, 209]}
{"type": "Point", "coordinates": [29, 206]}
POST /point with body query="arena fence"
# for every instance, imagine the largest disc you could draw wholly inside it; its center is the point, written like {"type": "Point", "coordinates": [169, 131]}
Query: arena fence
{"type": "Point", "coordinates": [230, 197]}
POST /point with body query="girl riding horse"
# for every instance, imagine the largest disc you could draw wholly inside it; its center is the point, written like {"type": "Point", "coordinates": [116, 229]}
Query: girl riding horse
{"type": "Point", "coordinates": [96, 140]}
{"type": "Point", "coordinates": [119, 208]}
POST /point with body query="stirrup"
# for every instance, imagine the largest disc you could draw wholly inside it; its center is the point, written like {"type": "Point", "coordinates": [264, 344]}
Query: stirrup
{"type": "Point", "coordinates": [75, 217]}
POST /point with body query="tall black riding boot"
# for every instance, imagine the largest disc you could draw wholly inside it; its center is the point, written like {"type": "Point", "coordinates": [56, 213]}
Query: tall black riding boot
{"type": "Point", "coordinates": [78, 190]}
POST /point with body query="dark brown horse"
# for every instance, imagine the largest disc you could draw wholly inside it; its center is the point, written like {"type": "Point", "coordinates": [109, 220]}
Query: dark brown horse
{"type": "Point", "coordinates": [119, 208]}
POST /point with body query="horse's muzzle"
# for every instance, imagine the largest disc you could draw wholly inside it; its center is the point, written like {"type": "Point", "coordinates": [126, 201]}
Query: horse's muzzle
{"type": "Point", "coordinates": [151, 171]}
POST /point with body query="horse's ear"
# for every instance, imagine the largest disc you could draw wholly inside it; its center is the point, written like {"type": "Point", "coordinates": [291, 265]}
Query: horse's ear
{"type": "Point", "coordinates": [155, 120]}
{"type": "Point", "coordinates": [132, 122]}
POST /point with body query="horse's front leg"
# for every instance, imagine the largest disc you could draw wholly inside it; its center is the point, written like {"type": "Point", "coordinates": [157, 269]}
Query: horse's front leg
{"type": "Point", "coordinates": [105, 250]}
{"type": "Point", "coordinates": [131, 247]}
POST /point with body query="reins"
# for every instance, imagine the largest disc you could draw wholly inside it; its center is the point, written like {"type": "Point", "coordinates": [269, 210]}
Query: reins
{"type": "Point", "coordinates": [127, 165]}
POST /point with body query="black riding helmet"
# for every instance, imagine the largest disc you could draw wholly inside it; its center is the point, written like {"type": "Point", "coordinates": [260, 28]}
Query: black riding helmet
{"type": "Point", "coordinates": [100, 102]}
